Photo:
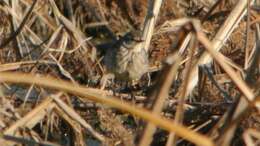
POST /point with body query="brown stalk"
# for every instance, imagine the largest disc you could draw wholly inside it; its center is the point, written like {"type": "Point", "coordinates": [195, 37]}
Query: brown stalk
{"type": "Point", "coordinates": [161, 94]}
{"type": "Point", "coordinates": [88, 93]}
{"type": "Point", "coordinates": [20, 28]}
{"type": "Point", "coordinates": [180, 108]}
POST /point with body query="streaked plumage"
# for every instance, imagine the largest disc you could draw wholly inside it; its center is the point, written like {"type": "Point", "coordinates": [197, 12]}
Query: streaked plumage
{"type": "Point", "coordinates": [125, 61]}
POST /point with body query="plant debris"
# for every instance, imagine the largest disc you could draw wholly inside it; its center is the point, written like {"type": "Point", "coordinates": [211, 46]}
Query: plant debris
{"type": "Point", "coordinates": [199, 86]}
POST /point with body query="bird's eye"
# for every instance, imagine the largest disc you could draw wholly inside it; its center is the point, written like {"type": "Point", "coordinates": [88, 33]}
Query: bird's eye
{"type": "Point", "coordinates": [128, 43]}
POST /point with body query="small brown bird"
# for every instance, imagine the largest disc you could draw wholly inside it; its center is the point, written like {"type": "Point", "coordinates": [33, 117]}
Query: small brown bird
{"type": "Point", "coordinates": [125, 60]}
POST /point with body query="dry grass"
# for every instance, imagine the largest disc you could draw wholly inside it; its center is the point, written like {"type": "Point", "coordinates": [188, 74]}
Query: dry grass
{"type": "Point", "coordinates": [202, 87]}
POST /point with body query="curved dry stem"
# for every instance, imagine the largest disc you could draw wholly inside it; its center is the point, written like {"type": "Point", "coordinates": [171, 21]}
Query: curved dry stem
{"type": "Point", "coordinates": [93, 95]}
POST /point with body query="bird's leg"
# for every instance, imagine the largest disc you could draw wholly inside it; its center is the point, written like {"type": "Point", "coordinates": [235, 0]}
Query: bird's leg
{"type": "Point", "coordinates": [105, 78]}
